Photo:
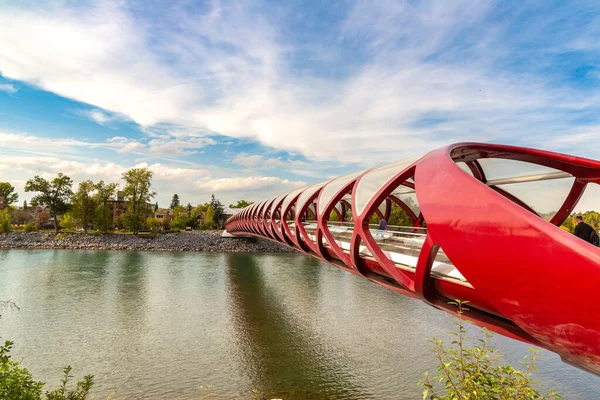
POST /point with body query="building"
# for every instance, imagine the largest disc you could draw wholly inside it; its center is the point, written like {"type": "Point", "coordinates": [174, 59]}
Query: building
{"type": "Point", "coordinates": [117, 208]}
{"type": "Point", "coordinates": [163, 214]}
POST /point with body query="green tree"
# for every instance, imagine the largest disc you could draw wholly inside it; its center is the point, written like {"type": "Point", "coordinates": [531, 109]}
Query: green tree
{"type": "Point", "coordinates": [83, 204]}
{"type": "Point", "coordinates": [5, 220]}
{"type": "Point", "coordinates": [7, 190]}
{"type": "Point", "coordinates": [54, 194]}
{"type": "Point", "coordinates": [569, 224]}
{"type": "Point", "coordinates": [475, 373]}
{"type": "Point", "coordinates": [24, 204]}
{"type": "Point", "coordinates": [399, 217]}
{"type": "Point", "coordinates": [137, 191]}
{"type": "Point", "coordinates": [105, 193]}
{"type": "Point", "coordinates": [240, 204]}
{"type": "Point", "coordinates": [209, 218]}
{"type": "Point", "coordinates": [219, 212]}
{"type": "Point", "coordinates": [180, 218]}
{"type": "Point", "coordinates": [156, 206]}
{"type": "Point", "coordinates": [174, 201]}
{"type": "Point", "coordinates": [196, 214]}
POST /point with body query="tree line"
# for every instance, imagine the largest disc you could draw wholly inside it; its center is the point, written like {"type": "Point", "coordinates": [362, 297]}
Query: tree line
{"type": "Point", "coordinates": [92, 205]}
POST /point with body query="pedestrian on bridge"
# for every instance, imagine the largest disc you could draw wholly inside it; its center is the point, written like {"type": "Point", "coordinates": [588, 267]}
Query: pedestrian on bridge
{"type": "Point", "coordinates": [585, 231]}
{"type": "Point", "coordinates": [383, 225]}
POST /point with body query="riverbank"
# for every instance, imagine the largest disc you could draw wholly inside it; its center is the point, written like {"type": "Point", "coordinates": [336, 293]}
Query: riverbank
{"type": "Point", "coordinates": [206, 241]}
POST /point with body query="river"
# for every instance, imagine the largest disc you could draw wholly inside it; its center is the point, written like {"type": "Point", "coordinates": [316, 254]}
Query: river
{"type": "Point", "coordinates": [160, 325]}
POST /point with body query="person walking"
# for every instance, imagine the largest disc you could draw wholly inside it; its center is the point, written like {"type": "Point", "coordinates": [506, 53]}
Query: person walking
{"type": "Point", "coordinates": [585, 231]}
{"type": "Point", "coordinates": [383, 225]}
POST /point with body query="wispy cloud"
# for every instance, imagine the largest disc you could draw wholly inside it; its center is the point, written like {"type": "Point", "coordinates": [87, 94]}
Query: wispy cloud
{"type": "Point", "coordinates": [249, 184]}
{"type": "Point", "coordinates": [8, 88]}
{"type": "Point", "coordinates": [99, 116]}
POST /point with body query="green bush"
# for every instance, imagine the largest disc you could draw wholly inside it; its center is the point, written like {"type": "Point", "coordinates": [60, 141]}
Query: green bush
{"type": "Point", "coordinates": [5, 221]}
{"type": "Point", "coordinates": [153, 224]}
{"type": "Point", "coordinates": [475, 373]}
{"type": "Point", "coordinates": [32, 226]}
{"type": "Point", "coordinates": [16, 383]}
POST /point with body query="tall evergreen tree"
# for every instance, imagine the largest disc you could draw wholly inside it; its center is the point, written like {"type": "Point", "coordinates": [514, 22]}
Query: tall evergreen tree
{"type": "Point", "coordinates": [174, 201]}
{"type": "Point", "coordinates": [219, 211]}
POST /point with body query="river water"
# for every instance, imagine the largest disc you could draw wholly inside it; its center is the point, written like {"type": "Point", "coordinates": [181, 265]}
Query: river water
{"type": "Point", "coordinates": [161, 325]}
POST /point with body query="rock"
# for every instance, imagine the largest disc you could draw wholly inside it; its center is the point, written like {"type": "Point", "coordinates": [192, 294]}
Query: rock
{"type": "Point", "coordinates": [207, 241]}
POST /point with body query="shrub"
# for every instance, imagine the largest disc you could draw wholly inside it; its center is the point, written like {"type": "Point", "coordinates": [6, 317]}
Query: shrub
{"type": "Point", "coordinates": [32, 226]}
{"type": "Point", "coordinates": [153, 224]}
{"type": "Point", "coordinates": [475, 373]}
{"type": "Point", "coordinates": [18, 384]}
{"type": "Point", "coordinates": [5, 221]}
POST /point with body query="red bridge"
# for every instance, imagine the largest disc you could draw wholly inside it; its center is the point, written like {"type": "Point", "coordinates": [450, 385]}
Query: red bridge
{"type": "Point", "coordinates": [483, 226]}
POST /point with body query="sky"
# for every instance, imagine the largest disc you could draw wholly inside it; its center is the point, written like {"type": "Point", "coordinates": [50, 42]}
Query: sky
{"type": "Point", "coordinates": [248, 99]}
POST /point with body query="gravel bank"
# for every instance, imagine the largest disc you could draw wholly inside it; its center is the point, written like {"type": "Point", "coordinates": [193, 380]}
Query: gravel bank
{"type": "Point", "coordinates": [184, 241]}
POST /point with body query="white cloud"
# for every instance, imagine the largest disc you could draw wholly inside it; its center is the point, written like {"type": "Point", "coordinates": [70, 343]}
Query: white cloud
{"type": "Point", "coordinates": [8, 88]}
{"type": "Point", "coordinates": [24, 156]}
{"type": "Point", "coordinates": [261, 162]}
{"type": "Point", "coordinates": [168, 178]}
{"type": "Point", "coordinates": [178, 147]}
{"type": "Point", "coordinates": [99, 116]}
{"type": "Point", "coordinates": [23, 141]}
{"type": "Point", "coordinates": [246, 160]}
{"type": "Point", "coordinates": [125, 145]}
{"type": "Point", "coordinates": [248, 184]}
{"type": "Point", "coordinates": [30, 143]}
{"type": "Point", "coordinates": [230, 71]}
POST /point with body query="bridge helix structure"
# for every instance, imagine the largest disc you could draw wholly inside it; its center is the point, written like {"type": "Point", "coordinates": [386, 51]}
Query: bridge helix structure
{"type": "Point", "coordinates": [481, 223]}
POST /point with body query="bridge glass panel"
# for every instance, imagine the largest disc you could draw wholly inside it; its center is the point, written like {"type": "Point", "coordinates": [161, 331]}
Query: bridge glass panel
{"type": "Point", "coordinates": [307, 193]}
{"type": "Point", "coordinates": [464, 167]}
{"type": "Point", "coordinates": [410, 199]}
{"type": "Point", "coordinates": [589, 201]}
{"type": "Point", "coordinates": [372, 181]}
{"type": "Point", "coordinates": [536, 187]}
{"type": "Point", "coordinates": [333, 187]}
{"type": "Point", "coordinates": [544, 197]}
{"type": "Point", "coordinates": [288, 199]}
{"type": "Point", "coordinates": [501, 168]}
{"type": "Point", "coordinates": [275, 203]}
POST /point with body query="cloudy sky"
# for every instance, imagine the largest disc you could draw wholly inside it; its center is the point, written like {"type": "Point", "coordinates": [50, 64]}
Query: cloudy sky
{"type": "Point", "coordinates": [248, 98]}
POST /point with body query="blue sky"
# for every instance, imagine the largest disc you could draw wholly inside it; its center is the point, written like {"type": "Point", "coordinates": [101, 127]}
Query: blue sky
{"type": "Point", "coordinates": [251, 98]}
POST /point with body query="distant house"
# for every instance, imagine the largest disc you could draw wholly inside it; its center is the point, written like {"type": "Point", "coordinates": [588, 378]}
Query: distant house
{"type": "Point", "coordinates": [163, 214]}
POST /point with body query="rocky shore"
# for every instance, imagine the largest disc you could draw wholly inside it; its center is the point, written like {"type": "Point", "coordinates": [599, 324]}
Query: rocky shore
{"type": "Point", "coordinates": [183, 241]}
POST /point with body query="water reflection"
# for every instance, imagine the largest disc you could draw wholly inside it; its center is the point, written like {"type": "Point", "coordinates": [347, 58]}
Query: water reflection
{"type": "Point", "coordinates": [159, 325]}
{"type": "Point", "coordinates": [279, 357]}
